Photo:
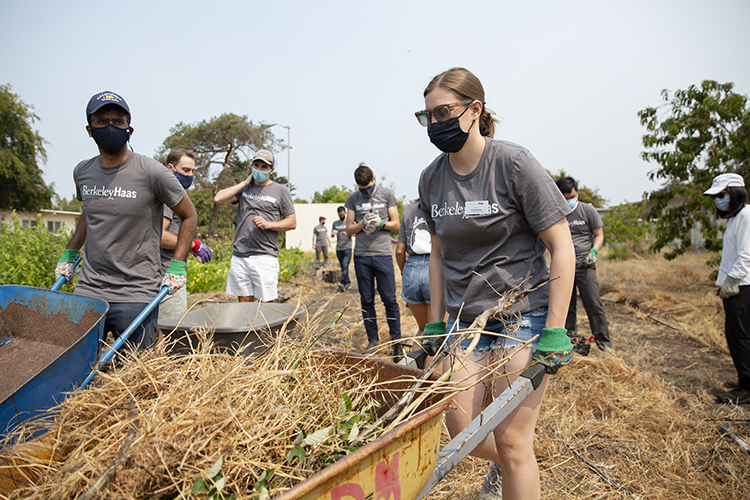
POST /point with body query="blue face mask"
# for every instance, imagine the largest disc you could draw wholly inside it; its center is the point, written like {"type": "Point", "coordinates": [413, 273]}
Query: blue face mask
{"type": "Point", "coordinates": [260, 175]}
{"type": "Point", "coordinates": [367, 191]}
{"type": "Point", "coordinates": [573, 202]}
{"type": "Point", "coordinates": [722, 203]}
{"type": "Point", "coordinates": [110, 139]}
{"type": "Point", "coordinates": [185, 180]}
{"type": "Point", "coordinates": [448, 136]}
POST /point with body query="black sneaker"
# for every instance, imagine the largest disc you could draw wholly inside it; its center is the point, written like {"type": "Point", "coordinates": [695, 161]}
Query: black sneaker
{"type": "Point", "coordinates": [730, 384]}
{"type": "Point", "coordinates": [492, 487]}
{"type": "Point", "coordinates": [372, 346]}
{"type": "Point", "coordinates": [738, 396]}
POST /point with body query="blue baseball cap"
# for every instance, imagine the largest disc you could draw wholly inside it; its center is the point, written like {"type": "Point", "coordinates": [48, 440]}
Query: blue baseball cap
{"type": "Point", "coordinates": [102, 99]}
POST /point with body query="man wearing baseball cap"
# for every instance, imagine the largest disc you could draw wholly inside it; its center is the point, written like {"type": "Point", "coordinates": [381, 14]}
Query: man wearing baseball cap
{"type": "Point", "coordinates": [264, 210]}
{"type": "Point", "coordinates": [123, 195]}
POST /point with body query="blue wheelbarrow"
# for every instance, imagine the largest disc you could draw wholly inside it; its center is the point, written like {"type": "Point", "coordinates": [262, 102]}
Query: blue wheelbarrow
{"type": "Point", "coordinates": [50, 340]}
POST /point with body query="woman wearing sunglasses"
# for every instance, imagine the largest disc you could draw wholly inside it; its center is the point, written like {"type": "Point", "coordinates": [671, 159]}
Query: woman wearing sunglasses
{"type": "Point", "coordinates": [492, 210]}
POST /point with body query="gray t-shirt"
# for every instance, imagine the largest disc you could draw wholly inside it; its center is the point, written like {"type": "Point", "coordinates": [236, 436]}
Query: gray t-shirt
{"type": "Point", "coordinates": [124, 212]}
{"type": "Point", "coordinates": [582, 221]}
{"type": "Point", "coordinates": [272, 202]}
{"type": "Point", "coordinates": [487, 223]}
{"type": "Point", "coordinates": [378, 242]}
{"type": "Point", "coordinates": [167, 254]}
{"type": "Point", "coordinates": [414, 232]}
{"type": "Point", "coordinates": [338, 230]}
{"type": "Point", "coordinates": [321, 235]}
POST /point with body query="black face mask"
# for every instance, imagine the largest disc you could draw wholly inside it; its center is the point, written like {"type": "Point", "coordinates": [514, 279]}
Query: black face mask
{"type": "Point", "coordinates": [110, 139]}
{"type": "Point", "coordinates": [342, 217]}
{"type": "Point", "coordinates": [185, 180]}
{"type": "Point", "coordinates": [448, 136]}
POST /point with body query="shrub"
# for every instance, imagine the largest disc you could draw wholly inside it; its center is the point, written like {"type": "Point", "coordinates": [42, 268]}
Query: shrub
{"type": "Point", "coordinates": [29, 254]}
{"type": "Point", "coordinates": [626, 231]}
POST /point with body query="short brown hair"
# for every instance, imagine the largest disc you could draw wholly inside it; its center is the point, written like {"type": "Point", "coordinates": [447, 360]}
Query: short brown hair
{"type": "Point", "coordinates": [176, 155]}
{"type": "Point", "coordinates": [466, 85]}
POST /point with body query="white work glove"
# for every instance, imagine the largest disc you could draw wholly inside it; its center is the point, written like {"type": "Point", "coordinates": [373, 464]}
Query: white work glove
{"type": "Point", "coordinates": [372, 222]}
{"type": "Point", "coordinates": [729, 288]}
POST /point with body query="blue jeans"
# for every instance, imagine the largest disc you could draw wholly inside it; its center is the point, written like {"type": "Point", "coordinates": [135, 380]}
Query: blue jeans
{"type": "Point", "coordinates": [344, 256]}
{"type": "Point", "coordinates": [121, 315]}
{"type": "Point", "coordinates": [530, 324]}
{"type": "Point", "coordinates": [368, 270]}
{"type": "Point", "coordinates": [415, 283]}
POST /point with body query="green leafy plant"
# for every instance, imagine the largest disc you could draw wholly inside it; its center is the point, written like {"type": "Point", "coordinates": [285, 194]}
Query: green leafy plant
{"type": "Point", "coordinates": [329, 444]}
{"type": "Point", "coordinates": [29, 254]}
{"type": "Point", "coordinates": [210, 485]}
{"type": "Point", "coordinates": [627, 231]}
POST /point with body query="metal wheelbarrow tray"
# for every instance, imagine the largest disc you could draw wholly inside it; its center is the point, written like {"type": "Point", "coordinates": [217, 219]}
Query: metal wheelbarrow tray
{"type": "Point", "coordinates": [50, 341]}
{"type": "Point", "coordinates": [397, 464]}
{"type": "Point", "coordinates": [234, 325]}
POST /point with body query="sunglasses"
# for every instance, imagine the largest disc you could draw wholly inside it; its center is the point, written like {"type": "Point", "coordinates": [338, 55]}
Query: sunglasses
{"type": "Point", "coordinates": [441, 113]}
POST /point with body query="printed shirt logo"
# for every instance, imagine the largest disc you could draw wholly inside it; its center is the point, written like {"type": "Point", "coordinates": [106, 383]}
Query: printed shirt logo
{"type": "Point", "coordinates": [479, 207]}
{"type": "Point", "coordinates": [367, 206]}
{"type": "Point", "coordinates": [577, 222]}
{"type": "Point", "coordinates": [110, 194]}
{"type": "Point", "coordinates": [254, 197]}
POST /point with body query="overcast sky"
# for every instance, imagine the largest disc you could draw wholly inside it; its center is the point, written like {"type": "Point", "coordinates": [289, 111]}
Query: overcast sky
{"type": "Point", "coordinates": [566, 78]}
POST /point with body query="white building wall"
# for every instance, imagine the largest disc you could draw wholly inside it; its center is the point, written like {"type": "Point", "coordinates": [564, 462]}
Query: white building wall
{"type": "Point", "coordinates": [307, 219]}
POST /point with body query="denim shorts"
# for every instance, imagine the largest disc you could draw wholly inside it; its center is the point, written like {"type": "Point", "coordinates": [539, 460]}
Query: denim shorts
{"type": "Point", "coordinates": [415, 283]}
{"type": "Point", "coordinates": [523, 329]}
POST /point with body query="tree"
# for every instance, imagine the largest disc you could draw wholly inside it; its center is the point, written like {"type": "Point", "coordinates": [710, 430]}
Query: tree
{"type": "Point", "coordinates": [693, 136]}
{"type": "Point", "coordinates": [333, 194]}
{"type": "Point", "coordinates": [585, 193]}
{"type": "Point", "coordinates": [216, 143]}
{"type": "Point", "coordinates": [21, 147]}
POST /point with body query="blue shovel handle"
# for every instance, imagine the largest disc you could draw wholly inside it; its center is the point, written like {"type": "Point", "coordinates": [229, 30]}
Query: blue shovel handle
{"type": "Point", "coordinates": [126, 334]}
{"type": "Point", "coordinates": [61, 280]}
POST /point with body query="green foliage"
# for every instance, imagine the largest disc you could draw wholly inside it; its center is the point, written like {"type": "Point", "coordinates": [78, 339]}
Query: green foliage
{"type": "Point", "coordinates": [333, 194]}
{"type": "Point", "coordinates": [21, 147]}
{"type": "Point", "coordinates": [29, 254]}
{"type": "Point", "coordinates": [211, 484]}
{"type": "Point", "coordinates": [330, 444]}
{"type": "Point", "coordinates": [585, 194]}
{"type": "Point", "coordinates": [218, 141]}
{"type": "Point", "coordinates": [627, 231]}
{"type": "Point", "coordinates": [695, 135]}
{"type": "Point", "coordinates": [212, 276]}
{"type": "Point", "coordinates": [69, 206]}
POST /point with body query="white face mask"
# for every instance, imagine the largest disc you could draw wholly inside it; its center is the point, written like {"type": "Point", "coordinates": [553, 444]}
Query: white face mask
{"type": "Point", "coordinates": [722, 203]}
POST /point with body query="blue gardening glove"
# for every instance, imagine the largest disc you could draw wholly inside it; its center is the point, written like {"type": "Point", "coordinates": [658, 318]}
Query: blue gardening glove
{"type": "Point", "coordinates": [66, 265]}
{"type": "Point", "coordinates": [175, 277]}
{"type": "Point", "coordinates": [591, 257]}
{"type": "Point", "coordinates": [433, 338]}
{"type": "Point", "coordinates": [729, 288]}
{"type": "Point", "coordinates": [554, 349]}
{"type": "Point", "coordinates": [202, 251]}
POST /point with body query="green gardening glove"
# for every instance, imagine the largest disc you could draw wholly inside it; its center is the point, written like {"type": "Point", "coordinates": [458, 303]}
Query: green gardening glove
{"type": "Point", "coordinates": [175, 277]}
{"type": "Point", "coordinates": [66, 265]}
{"type": "Point", "coordinates": [590, 259]}
{"type": "Point", "coordinates": [554, 349]}
{"type": "Point", "coordinates": [433, 337]}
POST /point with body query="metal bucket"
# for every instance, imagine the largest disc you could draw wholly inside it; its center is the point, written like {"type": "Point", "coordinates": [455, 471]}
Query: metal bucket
{"type": "Point", "coordinates": [241, 326]}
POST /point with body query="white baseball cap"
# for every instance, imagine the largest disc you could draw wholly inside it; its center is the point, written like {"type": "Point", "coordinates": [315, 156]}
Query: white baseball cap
{"type": "Point", "coordinates": [723, 181]}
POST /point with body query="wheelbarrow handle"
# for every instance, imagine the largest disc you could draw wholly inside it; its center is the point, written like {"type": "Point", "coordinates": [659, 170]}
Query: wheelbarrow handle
{"type": "Point", "coordinates": [126, 334]}
{"type": "Point", "coordinates": [61, 280]}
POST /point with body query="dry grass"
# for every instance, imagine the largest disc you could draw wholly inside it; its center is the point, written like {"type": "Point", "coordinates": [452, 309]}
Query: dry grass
{"type": "Point", "coordinates": [613, 425]}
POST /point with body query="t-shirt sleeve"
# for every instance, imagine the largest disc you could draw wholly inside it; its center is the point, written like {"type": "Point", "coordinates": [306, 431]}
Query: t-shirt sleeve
{"type": "Point", "coordinates": [595, 220]}
{"type": "Point", "coordinates": [536, 194]}
{"type": "Point", "coordinates": [167, 189]}
{"type": "Point", "coordinates": [287, 205]}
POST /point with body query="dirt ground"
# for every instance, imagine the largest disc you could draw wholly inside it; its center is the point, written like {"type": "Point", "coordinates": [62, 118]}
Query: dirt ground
{"type": "Point", "coordinates": [690, 372]}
